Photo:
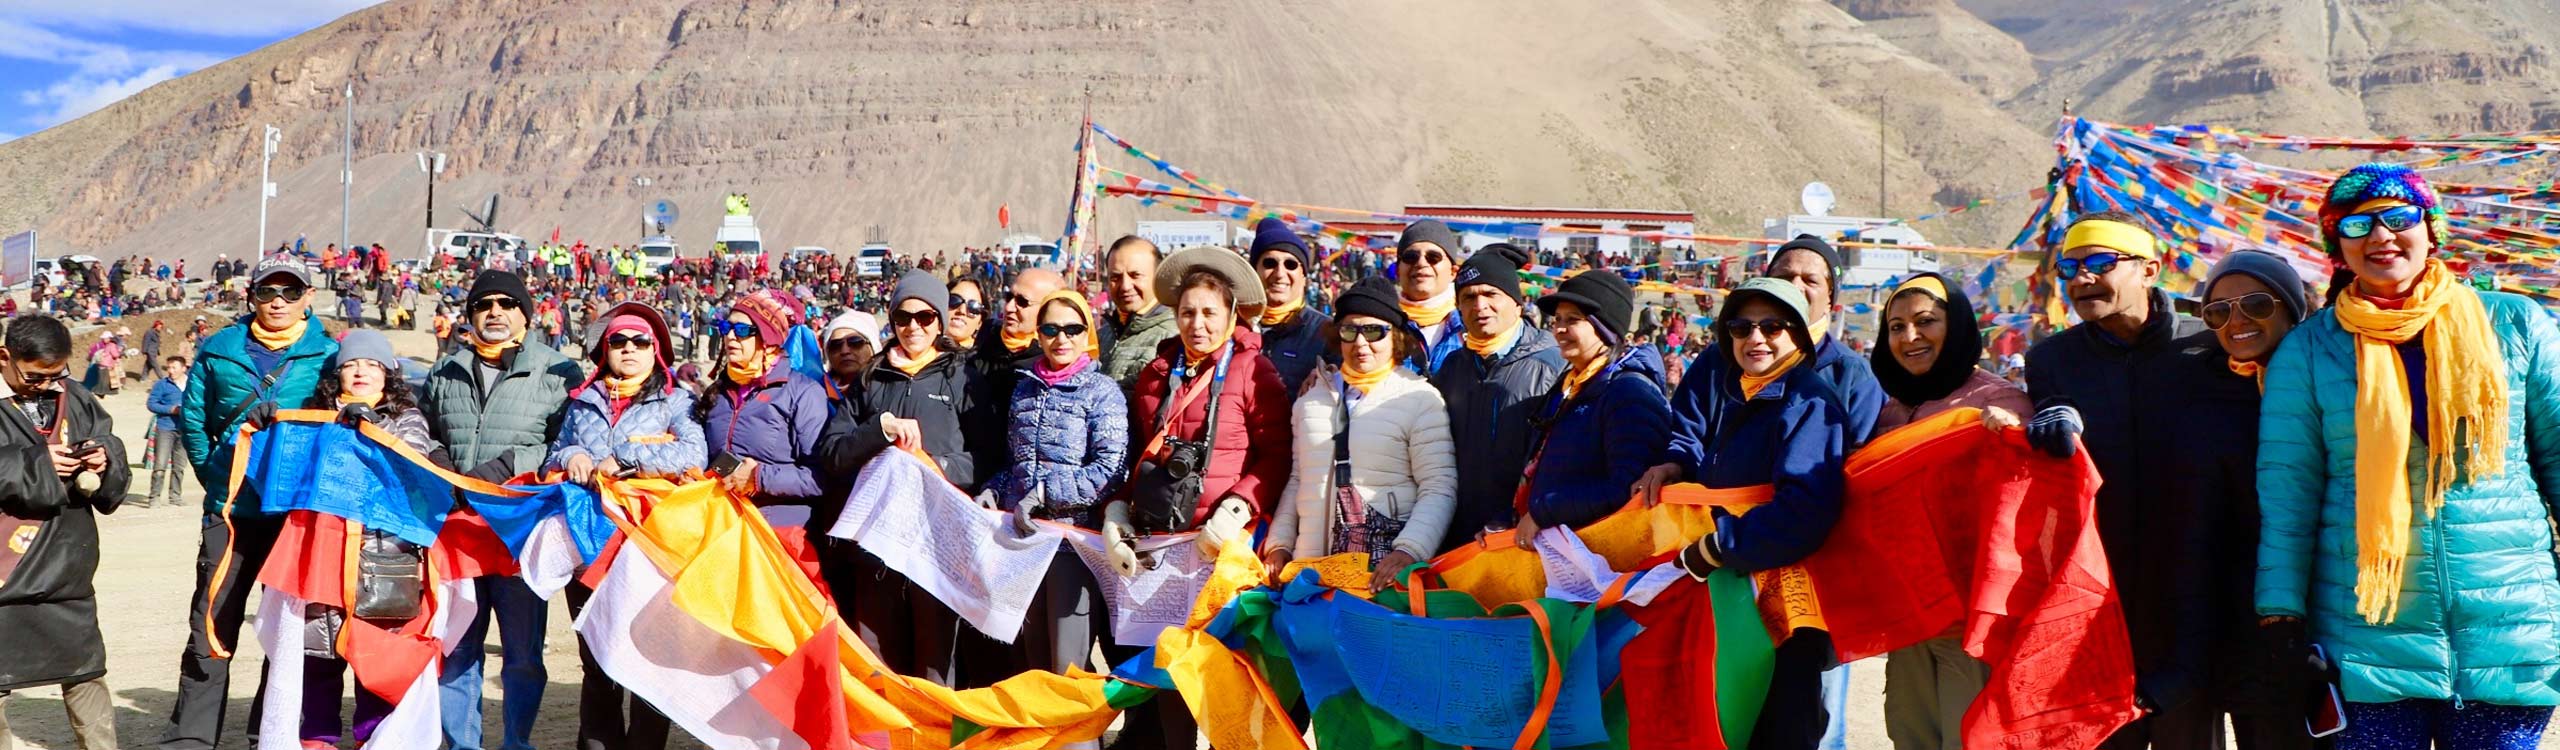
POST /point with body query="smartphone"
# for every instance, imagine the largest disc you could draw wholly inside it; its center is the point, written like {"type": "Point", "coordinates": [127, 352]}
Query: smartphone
{"type": "Point", "coordinates": [2328, 709]}
{"type": "Point", "coordinates": [86, 448]}
{"type": "Point", "coordinates": [723, 464]}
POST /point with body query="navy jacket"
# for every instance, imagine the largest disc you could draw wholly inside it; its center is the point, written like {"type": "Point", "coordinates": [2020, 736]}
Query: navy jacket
{"type": "Point", "coordinates": [1297, 346]}
{"type": "Point", "coordinates": [1793, 436]}
{"type": "Point", "coordinates": [1597, 444]}
{"type": "Point", "coordinates": [1490, 402]}
{"type": "Point", "coordinates": [1850, 376]}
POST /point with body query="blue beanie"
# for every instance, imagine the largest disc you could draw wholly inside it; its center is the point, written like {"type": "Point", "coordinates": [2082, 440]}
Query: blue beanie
{"type": "Point", "coordinates": [1273, 234]}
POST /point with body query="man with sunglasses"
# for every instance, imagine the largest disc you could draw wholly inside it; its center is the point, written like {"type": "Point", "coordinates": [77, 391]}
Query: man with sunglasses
{"type": "Point", "coordinates": [63, 466]}
{"type": "Point", "coordinates": [2138, 386]}
{"type": "Point", "coordinates": [1426, 262]}
{"type": "Point", "coordinates": [1002, 361]}
{"type": "Point", "coordinates": [1137, 321]}
{"type": "Point", "coordinates": [496, 404]}
{"type": "Point", "coordinates": [1292, 335]}
{"type": "Point", "coordinates": [270, 358]}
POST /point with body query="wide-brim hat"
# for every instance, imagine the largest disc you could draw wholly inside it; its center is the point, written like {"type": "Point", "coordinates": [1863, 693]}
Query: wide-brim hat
{"type": "Point", "coordinates": [1784, 294]}
{"type": "Point", "coordinates": [1218, 260]}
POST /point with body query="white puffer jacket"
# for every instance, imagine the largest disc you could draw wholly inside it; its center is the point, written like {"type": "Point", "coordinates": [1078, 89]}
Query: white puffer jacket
{"type": "Point", "coordinates": [1403, 464]}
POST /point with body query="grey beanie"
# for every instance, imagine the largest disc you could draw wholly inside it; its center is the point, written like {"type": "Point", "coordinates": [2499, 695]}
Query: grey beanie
{"type": "Point", "coordinates": [2268, 269]}
{"type": "Point", "coordinates": [923, 286]}
{"type": "Point", "coordinates": [365, 343]}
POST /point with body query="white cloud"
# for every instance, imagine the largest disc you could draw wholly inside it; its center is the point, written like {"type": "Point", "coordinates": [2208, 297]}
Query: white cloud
{"type": "Point", "coordinates": [239, 18]}
{"type": "Point", "coordinates": [79, 95]}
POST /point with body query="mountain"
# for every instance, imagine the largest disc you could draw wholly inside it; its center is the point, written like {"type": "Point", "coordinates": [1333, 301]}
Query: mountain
{"type": "Point", "coordinates": [921, 118]}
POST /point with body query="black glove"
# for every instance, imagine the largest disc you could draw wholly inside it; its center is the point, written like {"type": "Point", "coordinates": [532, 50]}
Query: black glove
{"type": "Point", "coordinates": [353, 414]}
{"type": "Point", "coordinates": [494, 471]}
{"type": "Point", "coordinates": [2291, 671]}
{"type": "Point", "coordinates": [2055, 429]}
{"type": "Point", "coordinates": [1699, 558]}
{"type": "Point", "coordinates": [261, 415]}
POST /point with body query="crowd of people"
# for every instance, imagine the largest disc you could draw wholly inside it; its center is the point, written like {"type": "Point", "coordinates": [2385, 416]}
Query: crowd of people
{"type": "Point", "coordinates": [2351, 489]}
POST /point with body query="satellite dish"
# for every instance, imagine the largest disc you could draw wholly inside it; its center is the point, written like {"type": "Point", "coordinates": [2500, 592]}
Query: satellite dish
{"type": "Point", "coordinates": [1817, 199]}
{"type": "Point", "coordinates": [662, 212]}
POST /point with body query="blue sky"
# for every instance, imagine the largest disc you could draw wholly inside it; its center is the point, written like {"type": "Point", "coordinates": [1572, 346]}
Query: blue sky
{"type": "Point", "coordinates": [60, 59]}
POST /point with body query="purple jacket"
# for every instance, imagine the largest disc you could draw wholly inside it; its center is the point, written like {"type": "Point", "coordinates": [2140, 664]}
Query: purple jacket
{"type": "Point", "coordinates": [775, 421]}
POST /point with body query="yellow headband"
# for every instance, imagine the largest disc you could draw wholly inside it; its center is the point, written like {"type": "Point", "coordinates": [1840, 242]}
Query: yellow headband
{"type": "Point", "coordinates": [2113, 235]}
{"type": "Point", "coordinates": [1929, 284]}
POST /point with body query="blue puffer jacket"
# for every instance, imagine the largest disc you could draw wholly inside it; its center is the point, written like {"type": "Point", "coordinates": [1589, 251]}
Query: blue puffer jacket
{"type": "Point", "coordinates": [656, 432]}
{"type": "Point", "coordinates": [1598, 443]}
{"type": "Point", "coordinates": [2480, 605]}
{"type": "Point", "coordinates": [1794, 436]}
{"type": "Point", "coordinates": [1070, 441]}
{"type": "Point", "coordinates": [223, 383]}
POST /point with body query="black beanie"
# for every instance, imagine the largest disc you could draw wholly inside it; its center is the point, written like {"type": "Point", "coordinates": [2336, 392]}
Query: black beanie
{"type": "Point", "coordinates": [1498, 266]}
{"type": "Point", "coordinates": [1601, 295]}
{"type": "Point", "coordinates": [1431, 231]}
{"type": "Point", "coordinates": [1830, 255]}
{"type": "Point", "coordinates": [1271, 233]}
{"type": "Point", "coordinates": [501, 282]}
{"type": "Point", "coordinates": [1374, 297]}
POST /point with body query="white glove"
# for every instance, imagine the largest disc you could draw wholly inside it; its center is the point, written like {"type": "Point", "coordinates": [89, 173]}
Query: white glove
{"type": "Point", "coordinates": [1225, 524]}
{"type": "Point", "coordinates": [1116, 538]}
{"type": "Point", "coordinates": [986, 499]}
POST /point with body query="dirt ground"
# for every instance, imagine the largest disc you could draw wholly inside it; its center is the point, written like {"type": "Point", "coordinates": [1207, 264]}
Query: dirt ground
{"type": "Point", "coordinates": [147, 573]}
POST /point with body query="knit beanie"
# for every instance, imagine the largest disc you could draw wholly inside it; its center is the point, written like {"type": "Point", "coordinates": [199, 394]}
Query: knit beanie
{"type": "Point", "coordinates": [921, 285]}
{"type": "Point", "coordinates": [1431, 231]}
{"type": "Point", "coordinates": [2378, 180]}
{"type": "Point", "coordinates": [366, 343]}
{"type": "Point", "coordinates": [2268, 269]}
{"type": "Point", "coordinates": [1497, 265]}
{"type": "Point", "coordinates": [1374, 297]}
{"type": "Point", "coordinates": [501, 282]}
{"type": "Point", "coordinates": [773, 311]}
{"type": "Point", "coordinates": [859, 322]}
{"type": "Point", "coordinates": [1807, 242]}
{"type": "Point", "coordinates": [1273, 234]}
{"type": "Point", "coordinates": [1602, 295]}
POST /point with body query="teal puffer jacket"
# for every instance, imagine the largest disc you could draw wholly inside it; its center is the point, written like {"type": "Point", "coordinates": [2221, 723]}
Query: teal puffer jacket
{"type": "Point", "coordinates": [517, 420]}
{"type": "Point", "coordinates": [221, 386]}
{"type": "Point", "coordinates": [2479, 613]}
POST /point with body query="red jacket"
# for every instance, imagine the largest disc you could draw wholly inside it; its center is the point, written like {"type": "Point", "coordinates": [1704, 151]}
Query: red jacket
{"type": "Point", "coordinates": [1251, 455]}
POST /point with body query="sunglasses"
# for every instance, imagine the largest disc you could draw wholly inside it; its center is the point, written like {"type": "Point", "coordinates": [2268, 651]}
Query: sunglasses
{"type": "Point", "coordinates": [1279, 263]}
{"type": "Point", "coordinates": [967, 305]}
{"type": "Point", "coordinates": [1016, 300]}
{"type": "Point", "coordinates": [484, 304]}
{"type": "Point", "coordinates": [920, 317]}
{"type": "Point", "coordinates": [1070, 330]}
{"type": "Point", "coordinates": [1422, 257]}
{"type": "Point", "coordinates": [2395, 218]}
{"type": "Point", "coordinates": [733, 329]}
{"type": "Point", "coordinates": [2097, 264]}
{"type": "Point", "coordinates": [621, 340]}
{"type": "Point", "coordinates": [1741, 329]}
{"type": "Point", "coordinates": [266, 294]}
{"type": "Point", "coordinates": [38, 380]}
{"type": "Point", "coordinates": [1370, 332]}
{"type": "Point", "coordinates": [849, 343]}
{"type": "Point", "coordinates": [2256, 305]}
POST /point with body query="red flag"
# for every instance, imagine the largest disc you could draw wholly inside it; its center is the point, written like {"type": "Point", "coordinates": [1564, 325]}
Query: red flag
{"type": "Point", "coordinates": [555, 235]}
{"type": "Point", "coordinates": [806, 691]}
{"type": "Point", "coordinates": [1004, 216]}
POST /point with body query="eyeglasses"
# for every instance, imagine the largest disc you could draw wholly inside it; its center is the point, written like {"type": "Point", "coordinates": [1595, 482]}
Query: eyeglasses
{"type": "Point", "coordinates": [1279, 263]}
{"type": "Point", "coordinates": [2256, 305]}
{"type": "Point", "coordinates": [2098, 264]}
{"type": "Point", "coordinates": [1741, 329]}
{"type": "Point", "coordinates": [38, 380]}
{"type": "Point", "coordinates": [1070, 330]}
{"type": "Point", "coordinates": [1370, 332]}
{"type": "Point", "coordinates": [735, 329]}
{"type": "Point", "coordinates": [269, 293]}
{"type": "Point", "coordinates": [2395, 218]}
{"type": "Point", "coordinates": [484, 304]}
{"type": "Point", "coordinates": [899, 318]}
{"type": "Point", "coordinates": [1413, 257]}
{"type": "Point", "coordinates": [848, 343]}
{"type": "Point", "coordinates": [967, 305]}
{"type": "Point", "coordinates": [620, 340]}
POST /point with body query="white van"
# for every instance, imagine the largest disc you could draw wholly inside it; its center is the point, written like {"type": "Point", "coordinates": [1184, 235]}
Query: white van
{"type": "Point", "coordinates": [656, 255]}
{"type": "Point", "coordinates": [739, 237]}
{"type": "Point", "coordinates": [871, 261]}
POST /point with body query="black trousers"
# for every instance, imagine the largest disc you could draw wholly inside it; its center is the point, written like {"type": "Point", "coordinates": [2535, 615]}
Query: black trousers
{"type": "Point", "coordinates": [910, 629]}
{"type": "Point", "coordinates": [609, 717]}
{"type": "Point", "coordinates": [1794, 716]}
{"type": "Point", "coordinates": [204, 681]}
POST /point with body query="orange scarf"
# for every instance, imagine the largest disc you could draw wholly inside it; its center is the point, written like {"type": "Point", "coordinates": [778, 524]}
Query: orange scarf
{"type": "Point", "coordinates": [1574, 379]}
{"type": "Point", "coordinates": [1752, 384]}
{"type": "Point", "coordinates": [1280, 313]}
{"type": "Point", "coordinates": [276, 341]}
{"type": "Point", "coordinates": [1018, 345]}
{"type": "Point", "coordinates": [898, 359]}
{"type": "Point", "coordinates": [620, 387]}
{"type": "Point", "coordinates": [349, 397]}
{"type": "Point", "coordinates": [491, 352]}
{"type": "Point", "coordinates": [1489, 346]}
{"type": "Point", "coordinates": [756, 367]}
{"type": "Point", "coordinates": [1365, 381]}
{"type": "Point", "coordinates": [2256, 372]}
{"type": "Point", "coordinates": [1429, 313]}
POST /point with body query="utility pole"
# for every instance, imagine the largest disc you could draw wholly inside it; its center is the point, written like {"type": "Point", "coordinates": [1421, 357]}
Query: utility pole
{"type": "Point", "coordinates": [1880, 194]}
{"type": "Point", "coordinates": [432, 163]}
{"type": "Point", "coordinates": [266, 185]}
{"type": "Point", "coordinates": [347, 171]}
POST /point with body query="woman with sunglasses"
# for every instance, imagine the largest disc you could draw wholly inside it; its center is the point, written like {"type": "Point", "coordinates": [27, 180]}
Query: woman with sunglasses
{"type": "Point", "coordinates": [1068, 447]}
{"type": "Point", "coordinates": [1927, 358]}
{"type": "Point", "coordinates": [966, 306]}
{"type": "Point", "coordinates": [1605, 421]}
{"type": "Point", "coordinates": [1376, 469]}
{"type": "Point", "coordinates": [1781, 438]}
{"type": "Point", "coordinates": [761, 420]}
{"type": "Point", "coordinates": [2408, 464]}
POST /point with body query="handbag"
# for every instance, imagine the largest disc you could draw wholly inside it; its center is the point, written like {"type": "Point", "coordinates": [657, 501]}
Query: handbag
{"type": "Point", "coordinates": [391, 578]}
{"type": "Point", "coordinates": [1355, 528]}
{"type": "Point", "coordinates": [1163, 493]}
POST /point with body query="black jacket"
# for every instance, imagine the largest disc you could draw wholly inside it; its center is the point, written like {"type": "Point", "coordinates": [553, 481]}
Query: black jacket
{"type": "Point", "coordinates": [2152, 418]}
{"type": "Point", "coordinates": [1489, 408]}
{"type": "Point", "coordinates": [991, 400]}
{"type": "Point", "coordinates": [48, 605]}
{"type": "Point", "coordinates": [940, 398]}
{"type": "Point", "coordinates": [1295, 347]}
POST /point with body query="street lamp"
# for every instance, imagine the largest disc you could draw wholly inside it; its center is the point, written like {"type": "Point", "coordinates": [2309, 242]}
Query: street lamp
{"type": "Point", "coordinates": [266, 186]}
{"type": "Point", "coordinates": [431, 163]}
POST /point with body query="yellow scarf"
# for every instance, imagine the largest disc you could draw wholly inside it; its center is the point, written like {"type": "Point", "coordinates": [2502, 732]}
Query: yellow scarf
{"type": "Point", "coordinates": [345, 398]}
{"type": "Point", "coordinates": [1429, 313]}
{"type": "Point", "coordinates": [1199, 361]}
{"type": "Point", "coordinates": [2256, 372]}
{"type": "Point", "coordinates": [276, 341]}
{"type": "Point", "coordinates": [1488, 346]}
{"type": "Point", "coordinates": [1280, 313]}
{"type": "Point", "coordinates": [620, 387]}
{"type": "Point", "coordinates": [1752, 384]}
{"type": "Point", "coordinates": [1818, 330]}
{"type": "Point", "coordinates": [743, 374]}
{"type": "Point", "coordinates": [1018, 345]}
{"type": "Point", "coordinates": [1365, 381]}
{"type": "Point", "coordinates": [2466, 414]}
{"type": "Point", "coordinates": [1575, 378]}
{"type": "Point", "coordinates": [491, 352]}
{"type": "Point", "coordinates": [898, 359]}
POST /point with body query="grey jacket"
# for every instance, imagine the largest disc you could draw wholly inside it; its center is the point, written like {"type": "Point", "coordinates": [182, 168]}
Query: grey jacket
{"type": "Point", "coordinates": [515, 422]}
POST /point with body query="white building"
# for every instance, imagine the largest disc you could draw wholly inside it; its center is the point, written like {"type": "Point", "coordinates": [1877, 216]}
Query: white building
{"type": "Point", "coordinates": [1868, 266]}
{"type": "Point", "coordinates": [1571, 231]}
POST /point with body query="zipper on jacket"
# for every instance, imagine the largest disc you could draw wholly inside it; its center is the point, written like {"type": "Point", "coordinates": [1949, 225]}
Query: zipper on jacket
{"type": "Point", "coordinates": [2452, 656]}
